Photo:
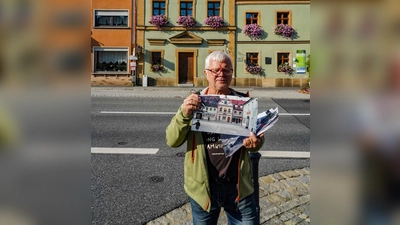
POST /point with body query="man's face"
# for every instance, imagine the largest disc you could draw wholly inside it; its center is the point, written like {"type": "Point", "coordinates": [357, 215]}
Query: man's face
{"type": "Point", "coordinates": [219, 75]}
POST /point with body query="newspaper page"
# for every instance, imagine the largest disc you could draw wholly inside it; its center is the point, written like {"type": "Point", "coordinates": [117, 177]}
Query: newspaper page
{"type": "Point", "coordinates": [226, 114]}
{"type": "Point", "coordinates": [265, 120]}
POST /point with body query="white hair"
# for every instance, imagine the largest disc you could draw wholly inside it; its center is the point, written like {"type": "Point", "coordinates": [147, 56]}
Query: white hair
{"type": "Point", "coordinates": [218, 56]}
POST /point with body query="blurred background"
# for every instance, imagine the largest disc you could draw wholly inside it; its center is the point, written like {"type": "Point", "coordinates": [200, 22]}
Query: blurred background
{"type": "Point", "coordinates": [45, 112]}
{"type": "Point", "coordinates": [355, 134]}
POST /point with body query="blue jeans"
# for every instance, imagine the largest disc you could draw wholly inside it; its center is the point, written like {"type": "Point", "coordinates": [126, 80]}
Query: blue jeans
{"type": "Point", "coordinates": [224, 195]}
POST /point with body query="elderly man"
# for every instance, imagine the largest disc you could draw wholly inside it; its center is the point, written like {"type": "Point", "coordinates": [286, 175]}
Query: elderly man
{"type": "Point", "coordinates": [211, 179]}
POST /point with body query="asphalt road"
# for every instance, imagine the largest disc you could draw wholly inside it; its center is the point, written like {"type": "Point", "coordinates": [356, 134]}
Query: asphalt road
{"type": "Point", "coordinates": [133, 188]}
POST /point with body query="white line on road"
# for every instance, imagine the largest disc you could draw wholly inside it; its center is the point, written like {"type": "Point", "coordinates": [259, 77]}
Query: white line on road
{"type": "Point", "coordinates": [284, 154]}
{"type": "Point", "coordinates": [173, 113]}
{"type": "Point", "coordinates": [294, 114]}
{"type": "Point", "coordinates": [147, 113]}
{"type": "Point", "coordinates": [151, 151]}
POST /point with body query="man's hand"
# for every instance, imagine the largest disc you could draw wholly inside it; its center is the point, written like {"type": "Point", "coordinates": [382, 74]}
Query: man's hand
{"type": "Point", "coordinates": [253, 141]}
{"type": "Point", "coordinates": [192, 102]}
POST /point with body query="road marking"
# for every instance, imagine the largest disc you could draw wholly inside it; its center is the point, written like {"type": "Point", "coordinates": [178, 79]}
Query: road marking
{"type": "Point", "coordinates": [294, 114]}
{"type": "Point", "coordinates": [149, 151]}
{"type": "Point", "coordinates": [173, 113]}
{"type": "Point", "coordinates": [152, 151]}
{"type": "Point", "coordinates": [147, 113]}
{"type": "Point", "coordinates": [284, 154]}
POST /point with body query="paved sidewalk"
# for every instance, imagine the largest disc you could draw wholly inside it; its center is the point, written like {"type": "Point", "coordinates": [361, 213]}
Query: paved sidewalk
{"type": "Point", "coordinates": [182, 92]}
{"type": "Point", "coordinates": [284, 199]}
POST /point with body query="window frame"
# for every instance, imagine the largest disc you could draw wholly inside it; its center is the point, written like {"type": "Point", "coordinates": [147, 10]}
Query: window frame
{"type": "Point", "coordinates": [258, 57]}
{"type": "Point", "coordinates": [97, 49]}
{"type": "Point", "coordinates": [193, 7]}
{"type": "Point", "coordinates": [245, 59]}
{"type": "Point", "coordinates": [152, 7]}
{"type": "Point", "coordinates": [277, 59]}
{"type": "Point", "coordinates": [258, 17]}
{"type": "Point", "coordinates": [220, 7]}
{"type": "Point", "coordinates": [118, 12]}
{"type": "Point", "coordinates": [161, 56]}
{"type": "Point", "coordinates": [186, 9]}
{"type": "Point", "coordinates": [283, 11]}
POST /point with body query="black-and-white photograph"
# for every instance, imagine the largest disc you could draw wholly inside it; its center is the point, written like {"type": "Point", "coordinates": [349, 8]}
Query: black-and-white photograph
{"type": "Point", "coordinates": [226, 114]}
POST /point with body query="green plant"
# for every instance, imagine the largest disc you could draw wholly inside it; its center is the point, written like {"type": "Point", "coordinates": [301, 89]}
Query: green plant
{"type": "Point", "coordinates": [214, 21]}
{"type": "Point", "coordinates": [186, 21]}
{"type": "Point", "coordinates": [286, 68]}
{"type": "Point", "coordinates": [159, 21]}
{"type": "Point", "coordinates": [254, 68]}
{"type": "Point", "coordinates": [157, 68]}
{"type": "Point", "coordinates": [308, 69]}
{"type": "Point", "coordinates": [308, 66]}
{"type": "Point", "coordinates": [252, 31]}
{"type": "Point", "coordinates": [285, 31]}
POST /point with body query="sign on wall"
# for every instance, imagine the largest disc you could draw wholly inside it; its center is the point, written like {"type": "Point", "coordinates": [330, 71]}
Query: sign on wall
{"type": "Point", "coordinates": [301, 61]}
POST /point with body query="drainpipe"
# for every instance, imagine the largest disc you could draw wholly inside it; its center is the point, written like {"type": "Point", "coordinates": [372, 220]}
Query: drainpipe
{"type": "Point", "coordinates": [134, 72]}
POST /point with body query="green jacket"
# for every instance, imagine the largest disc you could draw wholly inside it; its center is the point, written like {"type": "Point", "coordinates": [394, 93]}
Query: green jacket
{"type": "Point", "coordinates": [196, 182]}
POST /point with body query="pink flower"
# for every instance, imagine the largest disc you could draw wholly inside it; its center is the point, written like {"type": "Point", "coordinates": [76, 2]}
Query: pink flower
{"type": "Point", "coordinates": [254, 69]}
{"type": "Point", "coordinates": [286, 68]}
{"type": "Point", "coordinates": [253, 31]}
{"type": "Point", "coordinates": [157, 68]}
{"type": "Point", "coordinates": [186, 21]}
{"type": "Point", "coordinates": [214, 21]}
{"type": "Point", "coordinates": [284, 30]}
{"type": "Point", "coordinates": [159, 21]}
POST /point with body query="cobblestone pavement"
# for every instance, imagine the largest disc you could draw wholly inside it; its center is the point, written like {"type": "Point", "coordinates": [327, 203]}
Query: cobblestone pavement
{"type": "Point", "coordinates": [284, 199]}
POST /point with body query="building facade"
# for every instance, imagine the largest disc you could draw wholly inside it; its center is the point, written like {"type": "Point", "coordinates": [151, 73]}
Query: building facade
{"type": "Point", "coordinates": [112, 42]}
{"type": "Point", "coordinates": [172, 38]}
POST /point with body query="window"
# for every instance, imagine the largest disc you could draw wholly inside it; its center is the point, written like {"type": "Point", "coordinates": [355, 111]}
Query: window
{"type": "Point", "coordinates": [251, 18]}
{"type": "Point", "coordinates": [110, 59]}
{"type": "Point", "coordinates": [159, 8]}
{"type": "Point", "coordinates": [186, 8]}
{"type": "Point", "coordinates": [282, 57]}
{"type": "Point", "coordinates": [111, 18]}
{"type": "Point", "coordinates": [213, 8]}
{"type": "Point", "coordinates": [156, 58]}
{"type": "Point", "coordinates": [251, 58]}
{"type": "Point", "coordinates": [283, 17]}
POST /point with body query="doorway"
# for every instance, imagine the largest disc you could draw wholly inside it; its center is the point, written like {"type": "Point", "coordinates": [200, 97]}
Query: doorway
{"type": "Point", "coordinates": [186, 68]}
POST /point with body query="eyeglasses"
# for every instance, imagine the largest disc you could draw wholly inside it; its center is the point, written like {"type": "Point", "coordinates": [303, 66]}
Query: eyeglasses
{"type": "Point", "coordinates": [227, 72]}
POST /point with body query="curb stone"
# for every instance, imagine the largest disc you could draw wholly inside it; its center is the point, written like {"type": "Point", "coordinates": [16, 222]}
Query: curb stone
{"type": "Point", "coordinates": [284, 199]}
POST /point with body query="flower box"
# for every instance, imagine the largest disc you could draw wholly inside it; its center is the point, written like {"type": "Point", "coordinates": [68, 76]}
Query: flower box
{"type": "Point", "coordinates": [157, 68]}
{"type": "Point", "coordinates": [186, 21]}
{"type": "Point", "coordinates": [286, 68]}
{"type": "Point", "coordinates": [159, 21]}
{"type": "Point", "coordinates": [254, 69]}
{"type": "Point", "coordinates": [285, 31]}
{"type": "Point", "coordinates": [253, 31]}
{"type": "Point", "coordinates": [214, 21]}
